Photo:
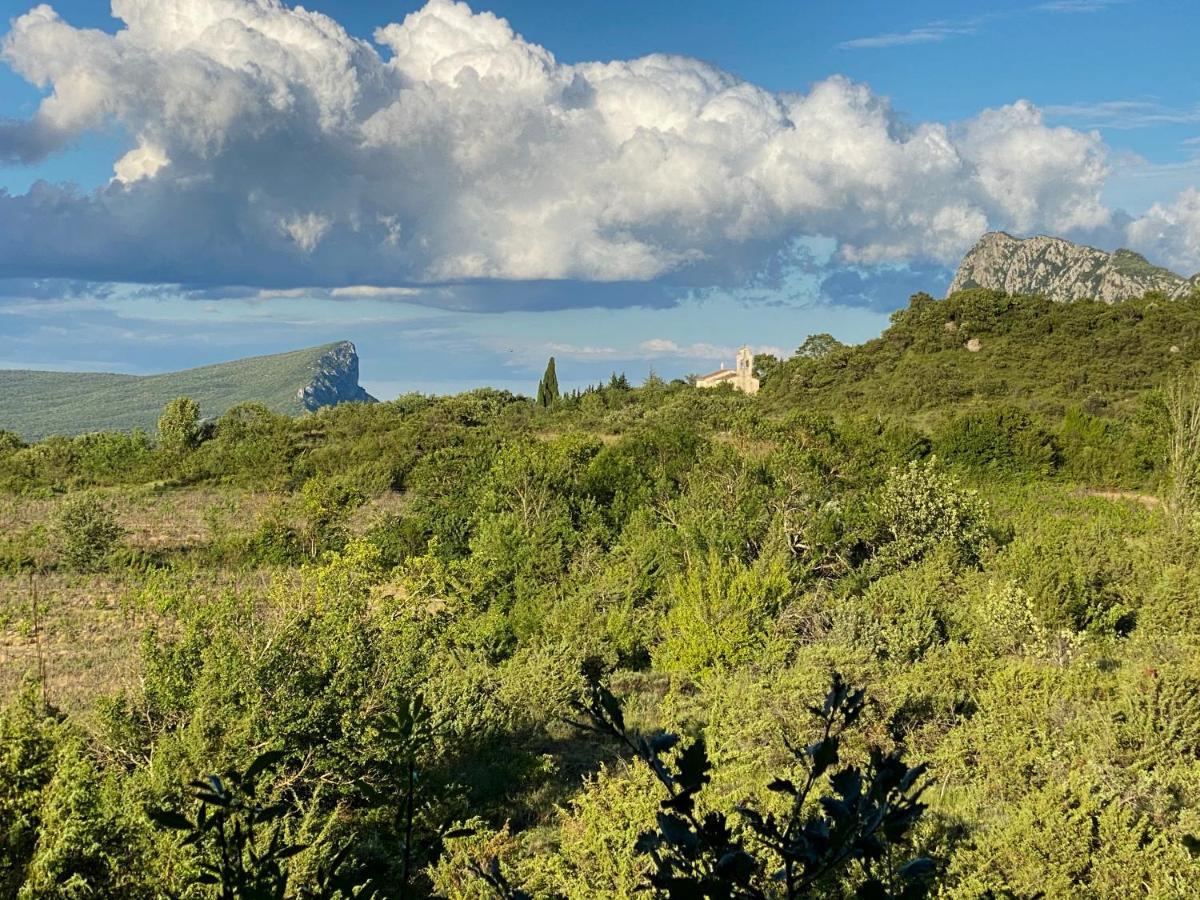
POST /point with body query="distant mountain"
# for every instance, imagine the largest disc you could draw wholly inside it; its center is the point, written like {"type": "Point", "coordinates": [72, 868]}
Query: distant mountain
{"type": "Point", "coordinates": [1061, 270]}
{"type": "Point", "coordinates": [37, 404]}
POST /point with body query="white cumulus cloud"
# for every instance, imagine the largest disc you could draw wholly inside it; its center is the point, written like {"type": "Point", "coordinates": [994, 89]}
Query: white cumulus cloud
{"type": "Point", "coordinates": [1171, 232]}
{"type": "Point", "coordinates": [275, 149]}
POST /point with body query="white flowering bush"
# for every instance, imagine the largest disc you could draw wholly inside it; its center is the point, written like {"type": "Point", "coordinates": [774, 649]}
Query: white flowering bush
{"type": "Point", "coordinates": [922, 507]}
{"type": "Point", "coordinates": [1005, 620]}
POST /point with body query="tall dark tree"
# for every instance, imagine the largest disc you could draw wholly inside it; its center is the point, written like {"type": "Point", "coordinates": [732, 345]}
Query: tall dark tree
{"type": "Point", "coordinates": [547, 394]}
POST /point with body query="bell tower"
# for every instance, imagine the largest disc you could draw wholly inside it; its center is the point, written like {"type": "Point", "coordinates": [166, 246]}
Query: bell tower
{"type": "Point", "coordinates": [744, 379]}
{"type": "Point", "coordinates": [745, 363]}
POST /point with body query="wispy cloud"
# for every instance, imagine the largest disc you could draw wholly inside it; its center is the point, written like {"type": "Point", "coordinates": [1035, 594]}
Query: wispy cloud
{"type": "Point", "coordinates": [371, 290]}
{"type": "Point", "coordinates": [663, 347]}
{"type": "Point", "coordinates": [1123, 114]}
{"type": "Point", "coordinates": [933, 33]}
{"type": "Point", "coordinates": [944, 29]}
{"type": "Point", "coordinates": [575, 351]}
{"type": "Point", "coordinates": [1076, 6]}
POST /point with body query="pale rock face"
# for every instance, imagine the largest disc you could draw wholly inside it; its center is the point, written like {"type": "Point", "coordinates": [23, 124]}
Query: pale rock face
{"type": "Point", "coordinates": [1062, 270]}
{"type": "Point", "coordinates": [334, 380]}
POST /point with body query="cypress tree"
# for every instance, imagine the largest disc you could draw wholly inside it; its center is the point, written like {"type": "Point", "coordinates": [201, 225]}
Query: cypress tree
{"type": "Point", "coordinates": [547, 394]}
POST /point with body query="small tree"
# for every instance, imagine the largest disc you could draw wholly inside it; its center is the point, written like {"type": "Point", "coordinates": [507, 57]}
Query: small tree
{"type": "Point", "coordinates": [818, 346]}
{"type": "Point", "coordinates": [179, 426]}
{"type": "Point", "coordinates": [240, 842]}
{"type": "Point", "coordinates": [1183, 448]}
{"type": "Point", "coordinates": [86, 531]}
{"type": "Point", "coordinates": [328, 503]}
{"type": "Point", "coordinates": [764, 365]}
{"type": "Point", "coordinates": [547, 394]}
{"type": "Point", "coordinates": [922, 507]}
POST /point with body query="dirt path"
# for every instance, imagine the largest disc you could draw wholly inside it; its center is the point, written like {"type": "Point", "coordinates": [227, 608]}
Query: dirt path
{"type": "Point", "coordinates": [1147, 500]}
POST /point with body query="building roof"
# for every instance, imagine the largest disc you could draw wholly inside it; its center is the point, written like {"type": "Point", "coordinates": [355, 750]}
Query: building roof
{"type": "Point", "coordinates": [720, 373]}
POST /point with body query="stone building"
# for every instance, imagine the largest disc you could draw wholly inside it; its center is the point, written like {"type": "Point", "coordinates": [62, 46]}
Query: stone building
{"type": "Point", "coordinates": [741, 377]}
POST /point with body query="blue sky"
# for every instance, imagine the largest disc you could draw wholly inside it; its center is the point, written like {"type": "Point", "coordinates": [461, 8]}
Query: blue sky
{"type": "Point", "coordinates": [463, 199]}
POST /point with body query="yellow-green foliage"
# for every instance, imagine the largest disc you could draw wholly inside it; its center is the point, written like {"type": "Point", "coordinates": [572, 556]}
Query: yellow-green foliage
{"type": "Point", "coordinates": [718, 613]}
{"type": "Point", "coordinates": [596, 832]}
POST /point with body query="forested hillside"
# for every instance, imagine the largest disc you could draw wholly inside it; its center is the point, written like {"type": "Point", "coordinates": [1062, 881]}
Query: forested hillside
{"type": "Point", "coordinates": [981, 345]}
{"type": "Point", "coordinates": [481, 646]}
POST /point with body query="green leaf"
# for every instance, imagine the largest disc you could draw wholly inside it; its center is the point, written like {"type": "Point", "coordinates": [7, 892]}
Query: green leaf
{"type": "Point", "coordinates": [264, 762]}
{"type": "Point", "coordinates": [676, 831]}
{"type": "Point", "coordinates": [693, 767]}
{"type": "Point", "coordinates": [824, 753]}
{"type": "Point", "coordinates": [289, 851]}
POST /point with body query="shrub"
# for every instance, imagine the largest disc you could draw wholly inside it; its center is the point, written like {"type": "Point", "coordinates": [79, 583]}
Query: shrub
{"type": "Point", "coordinates": [719, 613]}
{"type": "Point", "coordinates": [29, 737]}
{"type": "Point", "coordinates": [1004, 440]}
{"type": "Point", "coordinates": [179, 426]}
{"type": "Point", "coordinates": [86, 533]}
{"type": "Point", "coordinates": [327, 504]}
{"type": "Point", "coordinates": [1077, 577]}
{"type": "Point", "coordinates": [9, 441]}
{"type": "Point", "coordinates": [921, 507]}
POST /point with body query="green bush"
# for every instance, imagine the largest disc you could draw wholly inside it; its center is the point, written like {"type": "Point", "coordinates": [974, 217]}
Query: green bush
{"type": "Point", "coordinates": [86, 532]}
{"type": "Point", "coordinates": [179, 426]}
{"type": "Point", "coordinates": [29, 740]}
{"type": "Point", "coordinates": [922, 507]}
{"type": "Point", "coordinates": [718, 613]}
{"type": "Point", "coordinates": [1004, 440]}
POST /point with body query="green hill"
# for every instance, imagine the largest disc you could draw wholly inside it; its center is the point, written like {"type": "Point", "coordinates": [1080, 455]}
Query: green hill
{"type": "Point", "coordinates": [38, 404]}
{"type": "Point", "coordinates": [981, 345]}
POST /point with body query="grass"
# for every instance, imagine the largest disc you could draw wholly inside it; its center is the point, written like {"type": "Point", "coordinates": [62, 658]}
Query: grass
{"type": "Point", "coordinates": [91, 625]}
{"type": "Point", "coordinates": [38, 404]}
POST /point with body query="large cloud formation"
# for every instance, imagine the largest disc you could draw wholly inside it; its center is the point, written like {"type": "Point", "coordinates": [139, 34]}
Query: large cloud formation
{"type": "Point", "coordinates": [272, 148]}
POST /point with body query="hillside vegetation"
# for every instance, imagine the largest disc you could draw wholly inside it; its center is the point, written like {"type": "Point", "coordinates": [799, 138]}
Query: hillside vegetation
{"type": "Point", "coordinates": [884, 630]}
{"type": "Point", "coordinates": [37, 404]}
{"type": "Point", "coordinates": [1044, 355]}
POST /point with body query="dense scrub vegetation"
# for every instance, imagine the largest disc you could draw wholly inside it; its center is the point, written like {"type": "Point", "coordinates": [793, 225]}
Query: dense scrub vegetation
{"type": "Point", "coordinates": [482, 646]}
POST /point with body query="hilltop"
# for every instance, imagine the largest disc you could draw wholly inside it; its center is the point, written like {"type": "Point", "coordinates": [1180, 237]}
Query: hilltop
{"type": "Point", "coordinates": [38, 404]}
{"type": "Point", "coordinates": [1062, 270]}
{"type": "Point", "coordinates": [983, 345]}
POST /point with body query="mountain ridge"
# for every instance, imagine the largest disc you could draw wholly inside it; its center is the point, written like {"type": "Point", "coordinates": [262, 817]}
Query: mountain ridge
{"type": "Point", "coordinates": [1064, 270]}
{"type": "Point", "coordinates": [37, 404]}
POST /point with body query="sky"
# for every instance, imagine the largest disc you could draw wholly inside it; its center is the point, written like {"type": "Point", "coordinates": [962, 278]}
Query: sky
{"type": "Point", "coordinates": [464, 191]}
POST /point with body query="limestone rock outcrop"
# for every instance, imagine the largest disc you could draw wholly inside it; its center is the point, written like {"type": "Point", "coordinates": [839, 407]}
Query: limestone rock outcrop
{"type": "Point", "coordinates": [1063, 270]}
{"type": "Point", "coordinates": [335, 379]}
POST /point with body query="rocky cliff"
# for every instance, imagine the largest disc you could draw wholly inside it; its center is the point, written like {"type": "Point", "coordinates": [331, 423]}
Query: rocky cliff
{"type": "Point", "coordinates": [335, 379]}
{"type": "Point", "coordinates": [1062, 270]}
